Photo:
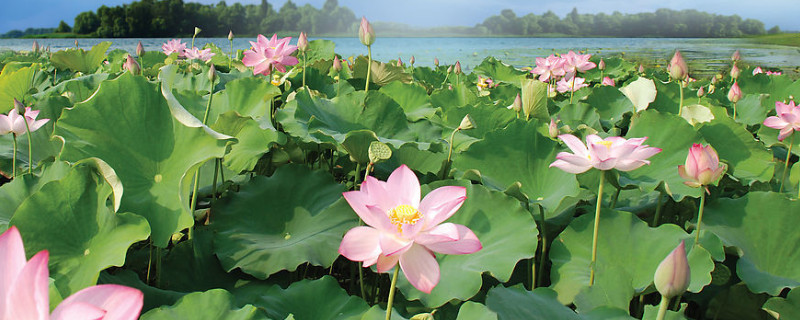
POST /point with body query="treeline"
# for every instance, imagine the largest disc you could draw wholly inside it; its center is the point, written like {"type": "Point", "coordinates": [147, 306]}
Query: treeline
{"type": "Point", "coordinates": [27, 32]}
{"type": "Point", "coordinates": [168, 18]}
{"type": "Point", "coordinates": [662, 23]}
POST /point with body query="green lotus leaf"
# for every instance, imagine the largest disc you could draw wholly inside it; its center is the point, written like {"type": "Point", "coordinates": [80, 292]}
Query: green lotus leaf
{"type": "Point", "coordinates": [668, 97]}
{"type": "Point", "coordinates": [14, 84]}
{"type": "Point", "coordinates": [506, 231]}
{"type": "Point", "coordinates": [499, 71]}
{"type": "Point", "coordinates": [12, 194]}
{"type": "Point", "coordinates": [356, 144]}
{"type": "Point", "coordinates": [784, 308]}
{"type": "Point", "coordinates": [518, 303]}
{"type": "Point", "coordinates": [475, 311]}
{"type": "Point", "coordinates": [377, 313]}
{"type": "Point", "coordinates": [534, 100]}
{"type": "Point", "coordinates": [174, 78]}
{"type": "Point", "coordinates": [381, 73]}
{"type": "Point", "coordinates": [80, 88]}
{"type": "Point", "coordinates": [82, 234]}
{"type": "Point", "coordinates": [253, 141]}
{"type": "Point", "coordinates": [606, 313]}
{"type": "Point", "coordinates": [651, 313]}
{"type": "Point", "coordinates": [746, 157]}
{"type": "Point", "coordinates": [79, 60]}
{"type": "Point", "coordinates": [736, 302]}
{"type": "Point", "coordinates": [628, 253]}
{"type": "Point", "coordinates": [578, 115]}
{"type": "Point", "coordinates": [759, 224]}
{"type": "Point", "coordinates": [697, 113]}
{"type": "Point", "coordinates": [44, 147]}
{"type": "Point", "coordinates": [769, 137]}
{"type": "Point", "coordinates": [420, 160]}
{"type": "Point", "coordinates": [153, 147]}
{"type": "Point", "coordinates": [215, 304]}
{"type": "Point", "coordinates": [192, 265]}
{"type": "Point", "coordinates": [320, 299]}
{"type": "Point", "coordinates": [412, 98]}
{"type": "Point", "coordinates": [519, 153]}
{"type": "Point", "coordinates": [486, 118]}
{"type": "Point", "coordinates": [751, 110]}
{"type": "Point", "coordinates": [430, 77]}
{"type": "Point", "coordinates": [457, 96]}
{"type": "Point", "coordinates": [318, 50]}
{"type": "Point", "coordinates": [674, 144]}
{"type": "Point", "coordinates": [280, 222]}
{"type": "Point", "coordinates": [610, 103]}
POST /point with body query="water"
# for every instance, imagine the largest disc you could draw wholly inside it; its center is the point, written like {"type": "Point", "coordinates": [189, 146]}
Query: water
{"type": "Point", "coordinates": [520, 52]}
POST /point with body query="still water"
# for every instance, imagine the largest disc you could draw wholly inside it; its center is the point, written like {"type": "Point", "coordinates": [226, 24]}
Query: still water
{"type": "Point", "coordinates": [519, 52]}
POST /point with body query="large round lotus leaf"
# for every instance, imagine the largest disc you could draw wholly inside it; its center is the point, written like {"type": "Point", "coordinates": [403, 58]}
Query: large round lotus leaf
{"type": "Point", "coordinates": [280, 222]}
{"type": "Point", "coordinates": [215, 304]}
{"type": "Point", "coordinates": [380, 73]}
{"type": "Point", "coordinates": [13, 193]}
{"type": "Point", "coordinates": [475, 311]}
{"type": "Point", "coordinates": [736, 302]}
{"type": "Point", "coordinates": [82, 234]}
{"type": "Point", "coordinates": [151, 146]}
{"type": "Point", "coordinates": [610, 103]}
{"type": "Point", "coordinates": [628, 253]}
{"type": "Point", "coordinates": [518, 303]}
{"type": "Point", "coordinates": [320, 299]}
{"type": "Point", "coordinates": [746, 157]}
{"type": "Point", "coordinates": [506, 231]}
{"type": "Point", "coordinates": [78, 89]}
{"type": "Point", "coordinates": [356, 145]}
{"type": "Point", "coordinates": [788, 308]}
{"type": "Point", "coordinates": [457, 96]}
{"type": "Point", "coordinates": [80, 60]}
{"type": "Point", "coordinates": [761, 225]}
{"type": "Point", "coordinates": [669, 96]}
{"type": "Point", "coordinates": [519, 153]}
{"type": "Point", "coordinates": [253, 141]}
{"type": "Point", "coordinates": [769, 137]}
{"type": "Point", "coordinates": [14, 84]}
{"type": "Point", "coordinates": [750, 109]}
{"type": "Point", "coordinates": [578, 114]}
{"type": "Point", "coordinates": [174, 78]}
{"type": "Point", "coordinates": [499, 71]}
{"type": "Point", "coordinates": [192, 265]}
{"type": "Point", "coordinates": [485, 118]}
{"type": "Point", "coordinates": [674, 142]}
{"type": "Point", "coordinates": [250, 97]}
{"type": "Point", "coordinates": [377, 313]}
{"type": "Point", "coordinates": [43, 146]}
{"type": "Point", "coordinates": [423, 161]}
{"type": "Point", "coordinates": [412, 98]}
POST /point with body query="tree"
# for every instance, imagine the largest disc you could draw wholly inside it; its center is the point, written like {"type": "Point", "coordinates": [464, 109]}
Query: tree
{"type": "Point", "coordinates": [86, 22]}
{"type": "Point", "coordinates": [63, 27]}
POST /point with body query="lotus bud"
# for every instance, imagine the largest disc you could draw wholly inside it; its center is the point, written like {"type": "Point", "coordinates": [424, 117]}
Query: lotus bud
{"type": "Point", "coordinates": [449, 69]}
{"type": "Point", "coordinates": [552, 129]}
{"type": "Point", "coordinates": [212, 73]}
{"type": "Point", "coordinates": [337, 64]}
{"type": "Point", "coordinates": [399, 62]}
{"type": "Point", "coordinates": [714, 80]}
{"type": "Point", "coordinates": [76, 43]}
{"type": "Point", "coordinates": [735, 71]}
{"type": "Point", "coordinates": [35, 48]}
{"type": "Point", "coordinates": [607, 81]}
{"type": "Point", "coordinates": [641, 68]}
{"type": "Point", "coordinates": [517, 105]}
{"type": "Point", "coordinates": [601, 65]}
{"type": "Point", "coordinates": [230, 35]}
{"type": "Point", "coordinates": [700, 92]}
{"type": "Point", "coordinates": [673, 276]}
{"type": "Point", "coordinates": [466, 123]}
{"type": "Point", "coordinates": [702, 167]}
{"type": "Point", "coordinates": [411, 61]}
{"type": "Point", "coordinates": [736, 56]}
{"type": "Point", "coordinates": [302, 42]}
{"type": "Point", "coordinates": [139, 49]}
{"type": "Point", "coordinates": [735, 94]}
{"type": "Point", "coordinates": [436, 62]}
{"type": "Point", "coordinates": [132, 66]}
{"type": "Point", "coordinates": [197, 31]}
{"type": "Point", "coordinates": [457, 68]}
{"type": "Point", "coordinates": [677, 67]}
{"type": "Point", "coordinates": [365, 32]}
{"type": "Point", "coordinates": [19, 106]}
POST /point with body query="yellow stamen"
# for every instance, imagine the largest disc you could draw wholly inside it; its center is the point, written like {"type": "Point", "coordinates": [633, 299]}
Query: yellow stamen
{"type": "Point", "coordinates": [404, 214]}
{"type": "Point", "coordinates": [606, 143]}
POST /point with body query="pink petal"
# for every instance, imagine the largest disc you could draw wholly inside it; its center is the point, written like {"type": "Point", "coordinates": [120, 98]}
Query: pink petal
{"type": "Point", "coordinates": [392, 245]}
{"type": "Point", "coordinates": [387, 263]}
{"type": "Point", "coordinates": [600, 152]}
{"type": "Point", "coordinates": [30, 299]}
{"type": "Point", "coordinates": [571, 163]}
{"type": "Point", "coordinates": [5, 124]}
{"type": "Point", "coordinates": [404, 186]}
{"type": "Point", "coordinates": [12, 260]}
{"type": "Point", "coordinates": [574, 144]}
{"type": "Point", "coordinates": [450, 238]}
{"type": "Point", "coordinates": [78, 311]}
{"type": "Point", "coordinates": [785, 132]}
{"type": "Point", "coordinates": [375, 191]}
{"type": "Point", "coordinates": [441, 204]}
{"type": "Point", "coordinates": [629, 164]}
{"type": "Point", "coordinates": [119, 302]}
{"type": "Point", "coordinates": [420, 267]}
{"type": "Point", "coordinates": [361, 244]}
{"type": "Point", "coordinates": [643, 153]}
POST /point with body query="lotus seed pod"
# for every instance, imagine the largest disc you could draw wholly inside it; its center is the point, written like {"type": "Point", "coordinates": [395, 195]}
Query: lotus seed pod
{"type": "Point", "coordinates": [379, 151]}
{"type": "Point", "coordinates": [673, 276]}
{"type": "Point", "coordinates": [466, 123]}
{"type": "Point", "coordinates": [197, 31]}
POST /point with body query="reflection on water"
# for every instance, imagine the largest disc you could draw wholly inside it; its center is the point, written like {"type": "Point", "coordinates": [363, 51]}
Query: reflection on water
{"type": "Point", "coordinates": [519, 52]}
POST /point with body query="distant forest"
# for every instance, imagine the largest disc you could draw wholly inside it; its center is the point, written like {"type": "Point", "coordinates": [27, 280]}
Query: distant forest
{"type": "Point", "coordinates": [170, 18]}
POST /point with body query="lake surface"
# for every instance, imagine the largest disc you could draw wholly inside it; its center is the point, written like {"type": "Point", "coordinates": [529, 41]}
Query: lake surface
{"type": "Point", "coordinates": [520, 52]}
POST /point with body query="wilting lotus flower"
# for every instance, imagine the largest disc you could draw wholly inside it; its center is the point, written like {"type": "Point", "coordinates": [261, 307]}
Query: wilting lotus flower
{"type": "Point", "coordinates": [677, 67]}
{"type": "Point", "coordinates": [608, 82]}
{"type": "Point", "coordinates": [484, 83]}
{"type": "Point", "coordinates": [365, 32]}
{"type": "Point", "coordinates": [268, 54]}
{"type": "Point", "coordinates": [735, 94]}
{"type": "Point", "coordinates": [673, 276]}
{"type": "Point", "coordinates": [24, 287]}
{"type": "Point", "coordinates": [574, 62]}
{"type": "Point", "coordinates": [131, 65]}
{"type": "Point", "coordinates": [570, 85]}
{"type": "Point", "coordinates": [702, 167]}
{"type": "Point", "coordinates": [15, 123]}
{"type": "Point", "coordinates": [787, 119]}
{"type": "Point", "coordinates": [302, 42]}
{"type": "Point", "coordinates": [604, 154]}
{"type": "Point", "coordinates": [401, 228]}
{"type": "Point", "coordinates": [195, 53]}
{"type": "Point", "coordinates": [735, 72]}
{"type": "Point", "coordinates": [550, 67]}
{"type": "Point", "coordinates": [172, 46]}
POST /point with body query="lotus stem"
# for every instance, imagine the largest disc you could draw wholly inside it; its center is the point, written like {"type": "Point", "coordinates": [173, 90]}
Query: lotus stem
{"type": "Point", "coordinates": [572, 90]}
{"type": "Point", "coordinates": [449, 154]}
{"type": "Point", "coordinates": [657, 216]}
{"type": "Point", "coordinates": [391, 293]}
{"type": "Point", "coordinates": [734, 111]}
{"type": "Point", "coordinates": [196, 186]}
{"type": "Point", "coordinates": [14, 157]}
{"type": "Point", "coordinates": [616, 197]}
{"type": "Point", "coordinates": [30, 148]}
{"type": "Point", "coordinates": [369, 68]}
{"type": "Point", "coordinates": [700, 216]}
{"type": "Point", "coordinates": [680, 103]}
{"type": "Point", "coordinates": [662, 308]}
{"type": "Point", "coordinates": [214, 184]}
{"type": "Point", "coordinates": [596, 229]}
{"type": "Point", "coordinates": [786, 165]}
{"type": "Point", "coordinates": [231, 57]}
{"type": "Point", "coordinates": [543, 257]}
{"type": "Point", "coordinates": [304, 69]}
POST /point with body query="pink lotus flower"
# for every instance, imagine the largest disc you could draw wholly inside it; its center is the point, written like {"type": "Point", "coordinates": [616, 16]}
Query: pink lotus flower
{"type": "Point", "coordinates": [195, 53]}
{"type": "Point", "coordinates": [550, 67]}
{"type": "Point", "coordinates": [24, 288]}
{"type": "Point", "coordinates": [574, 62]}
{"type": "Point", "coordinates": [735, 94]}
{"type": "Point", "coordinates": [673, 276]}
{"type": "Point", "coordinates": [604, 154]}
{"type": "Point", "coordinates": [735, 72]}
{"type": "Point", "coordinates": [172, 46]}
{"type": "Point", "coordinates": [702, 167]}
{"type": "Point", "coordinates": [365, 32]}
{"type": "Point", "coordinates": [565, 84]}
{"type": "Point", "coordinates": [270, 54]}
{"type": "Point", "coordinates": [401, 228]}
{"type": "Point", "coordinates": [775, 73]}
{"type": "Point", "coordinates": [677, 68]}
{"type": "Point", "coordinates": [15, 123]}
{"type": "Point", "coordinates": [757, 70]}
{"type": "Point", "coordinates": [484, 83]}
{"type": "Point", "coordinates": [787, 119]}
{"type": "Point", "coordinates": [608, 82]}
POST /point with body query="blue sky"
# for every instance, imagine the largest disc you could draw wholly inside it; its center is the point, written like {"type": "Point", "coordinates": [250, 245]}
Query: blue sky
{"type": "Point", "coordinates": [20, 14]}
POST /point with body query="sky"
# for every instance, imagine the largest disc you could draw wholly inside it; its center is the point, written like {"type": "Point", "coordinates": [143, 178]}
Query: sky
{"type": "Point", "coordinates": [21, 14]}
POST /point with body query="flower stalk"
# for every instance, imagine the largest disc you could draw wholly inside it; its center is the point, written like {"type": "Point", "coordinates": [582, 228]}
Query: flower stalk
{"type": "Point", "coordinates": [392, 288]}
{"type": "Point", "coordinates": [700, 217]}
{"type": "Point", "coordinates": [786, 163]}
{"type": "Point", "coordinates": [662, 308]}
{"type": "Point", "coordinates": [596, 229]}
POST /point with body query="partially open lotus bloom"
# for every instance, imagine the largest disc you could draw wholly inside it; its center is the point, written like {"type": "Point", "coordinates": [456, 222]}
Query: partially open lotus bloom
{"type": "Point", "coordinates": [195, 53]}
{"type": "Point", "coordinates": [401, 228]}
{"type": "Point", "coordinates": [787, 119]}
{"type": "Point", "coordinates": [172, 46]}
{"type": "Point", "coordinates": [702, 167]}
{"type": "Point", "coordinates": [15, 123]}
{"type": "Point", "coordinates": [550, 67]}
{"type": "Point", "coordinates": [735, 94]}
{"type": "Point", "coordinates": [485, 83]}
{"type": "Point", "coordinates": [678, 70]}
{"type": "Point", "coordinates": [568, 85]}
{"type": "Point", "coordinates": [131, 65]}
{"type": "Point", "coordinates": [673, 276]}
{"type": "Point", "coordinates": [608, 82]}
{"type": "Point", "coordinates": [365, 32]}
{"type": "Point", "coordinates": [24, 288]}
{"type": "Point", "coordinates": [604, 154]}
{"type": "Point", "coordinates": [574, 62]}
{"type": "Point", "coordinates": [270, 54]}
